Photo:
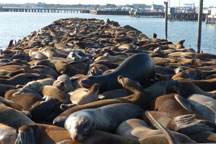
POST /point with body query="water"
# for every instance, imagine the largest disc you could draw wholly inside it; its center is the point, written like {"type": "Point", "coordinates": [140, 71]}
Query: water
{"type": "Point", "coordinates": [18, 25]}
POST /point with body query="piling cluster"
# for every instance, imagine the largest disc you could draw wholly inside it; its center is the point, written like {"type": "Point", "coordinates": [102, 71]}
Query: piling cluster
{"type": "Point", "coordinates": [47, 77]}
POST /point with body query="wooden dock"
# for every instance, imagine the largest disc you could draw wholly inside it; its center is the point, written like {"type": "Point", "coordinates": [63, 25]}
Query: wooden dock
{"type": "Point", "coordinates": [106, 12]}
{"type": "Point", "coordinates": [211, 19]}
{"type": "Point", "coordinates": [185, 16]}
{"type": "Point", "coordinates": [43, 10]}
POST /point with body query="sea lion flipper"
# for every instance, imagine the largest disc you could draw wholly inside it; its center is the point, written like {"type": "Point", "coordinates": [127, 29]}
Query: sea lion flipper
{"type": "Point", "coordinates": [184, 103]}
{"type": "Point", "coordinates": [26, 136]}
{"type": "Point", "coordinates": [170, 137]}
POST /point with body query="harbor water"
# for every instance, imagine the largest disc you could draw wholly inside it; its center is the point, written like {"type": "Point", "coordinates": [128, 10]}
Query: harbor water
{"type": "Point", "coordinates": [15, 25]}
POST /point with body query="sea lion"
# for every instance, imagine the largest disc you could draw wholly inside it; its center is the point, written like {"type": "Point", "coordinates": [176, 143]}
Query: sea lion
{"type": "Point", "coordinates": [4, 88]}
{"type": "Point", "coordinates": [138, 67]}
{"type": "Point", "coordinates": [34, 87]}
{"type": "Point", "coordinates": [45, 111]}
{"type": "Point", "coordinates": [204, 100]}
{"type": "Point", "coordinates": [8, 134]}
{"type": "Point", "coordinates": [12, 117]}
{"type": "Point", "coordinates": [101, 137]}
{"type": "Point", "coordinates": [136, 128]}
{"type": "Point", "coordinates": [10, 103]}
{"type": "Point", "coordinates": [187, 88]}
{"type": "Point", "coordinates": [105, 118]}
{"type": "Point", "coordinates": [138, 97]}
{"type": "Point", "coordinates": [43, 134]}
{"type": "Point", "coordinates": [24, 100]}
{"type": "Point", "coordinates": [176, 105]}
{"type": "Point", "coordinates": [64, 83]}
{"type": "Point", "coordinates": [56, 93]}
{"type": "Point", "coordinates": [22, 78]}
{"type": "Point", "coordinates": [82, 95]}
{"type": "Point", "coordinates": [202, 131]}
{"type": "Point", "coordinates": [37, 55]}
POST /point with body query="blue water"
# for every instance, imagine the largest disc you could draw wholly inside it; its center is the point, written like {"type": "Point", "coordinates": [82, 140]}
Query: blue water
{"type": "Point", "coordinates": [18, 25]}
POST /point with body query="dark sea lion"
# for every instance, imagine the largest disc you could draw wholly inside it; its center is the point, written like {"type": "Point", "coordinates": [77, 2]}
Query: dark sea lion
{"type": "Point", "coordinates": [45, 111]}
{"type": "Point", "coordinates": [8, 134]}
{"type": "Point", "coordinates": [206, 85]}
{"type": "Point", "coordinates": [188, 88]}
{"type": "Point", "coordinates": [12, 117]}
{"type": "Point", "coordinates": [43, 134]}
{"type": "Point", "coordinates": [138, 97]}
{"type": "Point", "coordinates": [138, 67]}
{"type": "Point", "coordinates": [80, 123]}
{"type": "Point", "coordinates": [205, 56]}
{"type": "Point", "coordinates": [4, 88]}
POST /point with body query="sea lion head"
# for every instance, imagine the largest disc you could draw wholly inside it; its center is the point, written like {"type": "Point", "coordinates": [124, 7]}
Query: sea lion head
{"type": "Point", "coordinates": [127, 82]}
{"type": "Point", "coordinates": [78, 126]}
{"type": "Point", "coordinates": [87, 83]}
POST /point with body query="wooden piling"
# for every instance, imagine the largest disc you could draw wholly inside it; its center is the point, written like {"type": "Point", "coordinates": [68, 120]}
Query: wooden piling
{"type": "Point", "coordinates": [199, 26]}
{"type": "Point", "coordinates": [166, 18]}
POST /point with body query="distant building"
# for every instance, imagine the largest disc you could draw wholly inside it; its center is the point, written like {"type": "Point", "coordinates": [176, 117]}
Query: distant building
{"type": "Point", "coordinates": [155, 7]}
{"type": "Point", "coordinates": [213, 11]}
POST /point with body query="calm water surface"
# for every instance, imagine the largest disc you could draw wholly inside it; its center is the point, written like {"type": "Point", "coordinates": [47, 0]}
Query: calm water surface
{"type": "Point", "coordinates": [18, 25]}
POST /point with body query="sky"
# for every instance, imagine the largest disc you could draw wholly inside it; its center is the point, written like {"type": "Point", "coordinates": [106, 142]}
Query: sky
{"type": "Point", "coordinates": [117, 2]}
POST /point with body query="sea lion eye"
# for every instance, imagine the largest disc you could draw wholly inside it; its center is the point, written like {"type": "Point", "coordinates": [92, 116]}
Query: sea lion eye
{"type": "Point", "coordinates": [86, 131]}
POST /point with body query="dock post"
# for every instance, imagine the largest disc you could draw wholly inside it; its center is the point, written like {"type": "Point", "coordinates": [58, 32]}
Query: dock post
{"type": "Point", "coordinates": [199, 26]}
{"type": "Point", "coordinates": [166, 18]}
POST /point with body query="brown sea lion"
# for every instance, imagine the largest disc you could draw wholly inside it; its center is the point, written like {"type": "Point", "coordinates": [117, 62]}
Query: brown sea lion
{"type": "Point", "coordinates": [43, 134]}
{"type": "Point", "coordinates": [12, 117]}
{"type": "Point", "coordinates": [82, 95]}
{"type": "Point", "coordinates": [138, 67]}
{"type": "Point", "coordinates": [136, 128]}
{"type": "Point", "coordinates": [175, 105]}
{"type": "Point", "coordinates": [10, 103]}
{"type": "Point", "coordinates": [24, 100]}
{"type": "Point", "coordinates": [8, 134]}
{"type": "Point", "coordinates": [180, 44]}
{"type": "Point", "coordinates": [56, 93]}
{"type": "Point", "coordinates": [138, 97]}
{"type": "Point", "coordinates": [81, 123]}
{"type": "Point", "coordinates": [22, 78]}
{"type": "Point", "coordinates": [101, 137]}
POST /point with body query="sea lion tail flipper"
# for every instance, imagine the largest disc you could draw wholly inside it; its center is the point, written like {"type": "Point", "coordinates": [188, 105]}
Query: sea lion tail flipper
{"type": "Point", "coordinates": [170, 137]}
{"type": "Point", "coordinates": [184, 103]}
{"type": "Point", "coordinates": [26, 136]}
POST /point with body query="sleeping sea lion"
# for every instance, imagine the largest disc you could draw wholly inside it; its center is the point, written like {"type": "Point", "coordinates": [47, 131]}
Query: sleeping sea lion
{"type": "Point", "coordinates": [105, 118]}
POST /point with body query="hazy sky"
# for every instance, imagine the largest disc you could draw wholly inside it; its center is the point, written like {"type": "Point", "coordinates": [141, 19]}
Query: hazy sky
{"type": "Point", "coordinates": [172, 2]}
